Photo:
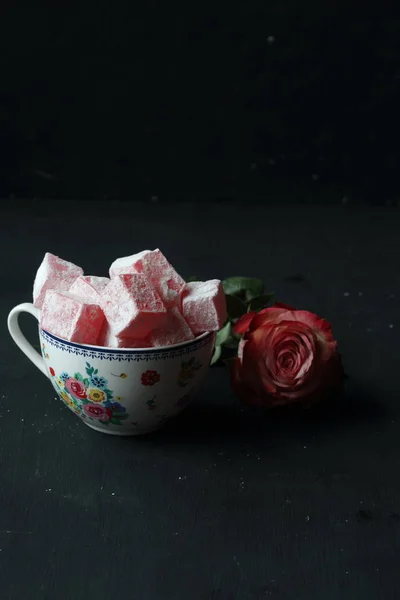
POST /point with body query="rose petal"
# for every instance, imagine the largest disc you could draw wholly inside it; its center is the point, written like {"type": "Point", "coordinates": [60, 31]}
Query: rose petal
{"type": "Point", "coordinates": [300, 340]}
{"type": "Point", "coordinates": [243, 324]}
{"type": "Point", "coordinates": [320, 326]}
{"type": "Point", "coordinates": [283, 305]}
{"type": "Point", "coordinates": [242, 344]}
{"type": "Point", "coordinates": [239, 386]}
{"type": "Point", "coordinates": [255, 368]}
{"type": "Point", "coordinates": [265, 316]}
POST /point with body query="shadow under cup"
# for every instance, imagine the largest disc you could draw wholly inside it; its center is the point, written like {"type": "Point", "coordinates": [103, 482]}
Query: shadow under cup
{"type": "Point", "coordinates": [119, 391]}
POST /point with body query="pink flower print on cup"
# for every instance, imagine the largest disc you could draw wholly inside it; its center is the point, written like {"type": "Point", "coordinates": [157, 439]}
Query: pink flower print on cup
{"type": "Point", "coordinates": [75, 388]}
{"type": "Point", "coordinates": [94, 411]}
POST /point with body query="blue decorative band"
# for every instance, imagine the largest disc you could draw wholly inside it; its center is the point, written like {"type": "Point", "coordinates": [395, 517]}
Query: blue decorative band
{"type": "Point", "coordinates": [125, 355]}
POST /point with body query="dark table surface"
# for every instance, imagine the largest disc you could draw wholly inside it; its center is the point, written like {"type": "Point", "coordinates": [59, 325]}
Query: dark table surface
{"type": "Point", "coordinates": [223, 504]}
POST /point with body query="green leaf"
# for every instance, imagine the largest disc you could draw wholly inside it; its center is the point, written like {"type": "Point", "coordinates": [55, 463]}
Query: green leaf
{"type": "Point", "coordinates": [238, 285]}
{"type": "Point", "coordinates": [260, 301]}
{"type": "Point", "coordinates": [192, 278]}
{"type": "Point", "coordinates": [234, 306]}
{"type": "Point", "coordinates": [232, 343]}
{"type": "Point", "coordinates": [95, 372]}
{"type": "Point", "coordinates": [249, 295]}
{"type": "Point", "coordinates": [216, 355]}
{"type": "Point", "coordinates": [120, 416]}
{"type": "Point", "coordinates": [223, 334]}
{"type": "Point", "coordinates": [115, 421]}
{"type": "Point", "coordinates": [86, 382]}
{"type": "Point", "coordinates": [78, 376]}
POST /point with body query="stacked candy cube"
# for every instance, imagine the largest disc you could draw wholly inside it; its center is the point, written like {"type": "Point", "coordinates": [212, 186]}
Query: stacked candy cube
{"type": "Point", "coordinates": [145, 303]}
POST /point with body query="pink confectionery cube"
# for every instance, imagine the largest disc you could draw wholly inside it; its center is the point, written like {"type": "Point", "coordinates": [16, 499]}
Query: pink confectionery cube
{"type": "Point", "coordinates": [110, 340]}
{"type": "Point", "coordinates": [71, 318]}
{"type": "Point", "coordinates": [132, 307]}
{"type": "Point", "coordinates": [153, 264]}
{"type": "Point", "coordinates": [53, 274]}
{"type": "Point", "coordinates": [89, 287]}
{"type": "Point", "coordinates": [204, 305]}
{"type": "Point", "coordinates": [174, 331]}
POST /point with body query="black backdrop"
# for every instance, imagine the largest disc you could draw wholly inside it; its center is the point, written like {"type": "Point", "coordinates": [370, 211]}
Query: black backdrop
{"type": "Point", "coordinates": [275, 100]}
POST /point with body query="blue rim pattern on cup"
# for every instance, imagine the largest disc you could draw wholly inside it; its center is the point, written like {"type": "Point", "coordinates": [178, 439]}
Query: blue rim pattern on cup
{"type": "Point", "coordinates": [127, 354]}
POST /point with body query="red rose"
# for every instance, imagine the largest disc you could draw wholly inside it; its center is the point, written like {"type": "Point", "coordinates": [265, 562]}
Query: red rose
{"type": "Point", "coordinates": [150, 378]}
{"type": "Point", "coordinates": [76, 388]}
{"type": "Point", "coordinates": [94, 411]}
{"type": "Point", "coordinates": [286, 355]}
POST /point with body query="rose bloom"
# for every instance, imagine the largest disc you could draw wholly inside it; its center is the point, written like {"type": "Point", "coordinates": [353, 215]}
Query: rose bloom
{"type": "Point", "coordinates": [285, 356]}
{"type": "Point", "coordinates": [94, 411]}
{"type": "Point", "coordinates": [150, 378]}
{"type": "Point", "coordinates": [75, 388]}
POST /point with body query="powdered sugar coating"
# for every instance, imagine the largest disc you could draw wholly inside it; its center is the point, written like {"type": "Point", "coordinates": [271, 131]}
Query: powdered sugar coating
{"type": "Point", "coordinates": [160, 273]}
{"type": "Point", "coordinates": [110, 340]}
{"type": "Point", "coordinates": [174, 331]}
{"type": "Point", "coordinates": [132, 307]}
{"type": "Point", "coordinates": [204, 305]}
{"type": "Point", "coordinates": [54, 273]}
{"type": "Point", "coordinates": [128, 264]}
{"type": "Point", "coordinates": [89, 287]}
{"type": "Point", "coordinates": [71, 317]}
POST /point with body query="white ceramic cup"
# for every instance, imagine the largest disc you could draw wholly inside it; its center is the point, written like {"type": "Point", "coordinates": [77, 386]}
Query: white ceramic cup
{"type": "Point", "coordinates": [122, 391]}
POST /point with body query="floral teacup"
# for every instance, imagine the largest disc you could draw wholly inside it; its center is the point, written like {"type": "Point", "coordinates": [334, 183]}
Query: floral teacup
{"type": "Point", "coordinates": [118, 391]}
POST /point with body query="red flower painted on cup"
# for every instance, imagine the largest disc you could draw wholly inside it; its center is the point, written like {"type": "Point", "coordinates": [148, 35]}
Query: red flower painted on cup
{"type": "Point", "coordinates": [52, 371]}
{"type": "Point", "coordinates": [150, 377]}
{"type": "Point", "coordinates": [94, 411]}
{"type": "Point", "coordinates": [75, 388]}
{"type": "Point", "coordinates": [285, 356]}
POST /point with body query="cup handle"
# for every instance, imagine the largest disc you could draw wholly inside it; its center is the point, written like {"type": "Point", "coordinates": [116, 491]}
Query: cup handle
{"type": "Point", "coordinates": [20, 339]}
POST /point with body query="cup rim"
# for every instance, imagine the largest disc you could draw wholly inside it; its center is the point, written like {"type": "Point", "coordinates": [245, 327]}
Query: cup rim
{"type": "Point", "coordinates": [151, 350]}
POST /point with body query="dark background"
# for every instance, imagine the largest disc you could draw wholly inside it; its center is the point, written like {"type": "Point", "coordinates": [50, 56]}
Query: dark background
{"type": "Point", "coordinates": [266, 101]}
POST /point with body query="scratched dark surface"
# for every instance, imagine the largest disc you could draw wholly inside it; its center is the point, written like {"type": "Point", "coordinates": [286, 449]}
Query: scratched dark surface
{"type": "Point", "coordinates": [225, 504]}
